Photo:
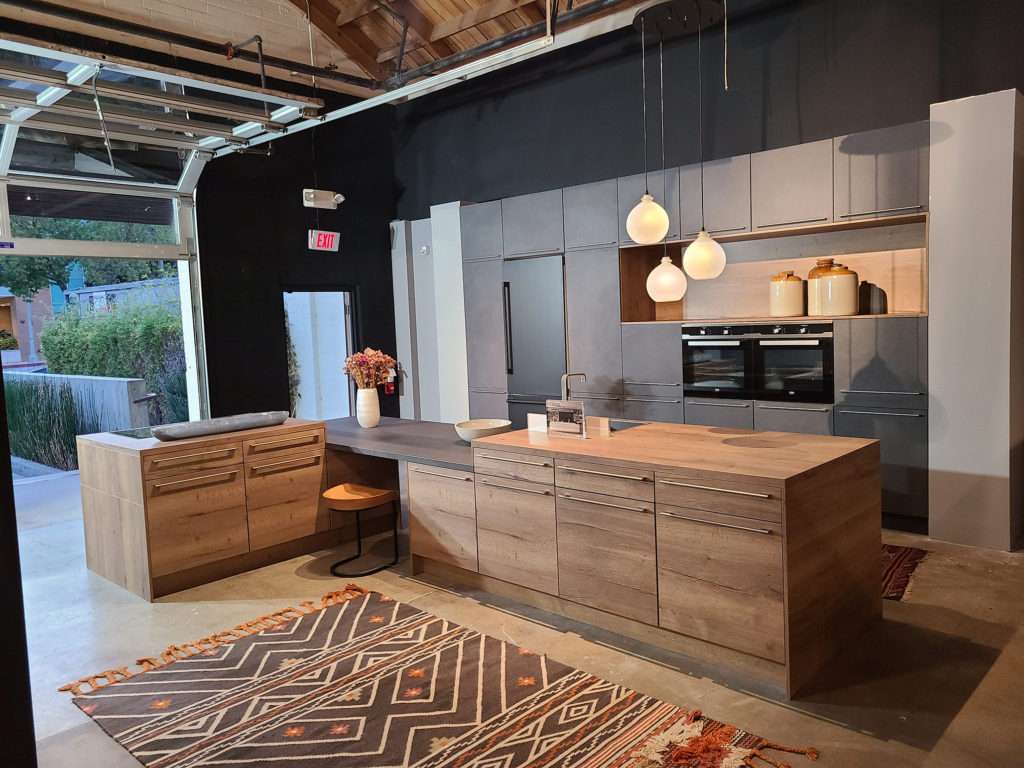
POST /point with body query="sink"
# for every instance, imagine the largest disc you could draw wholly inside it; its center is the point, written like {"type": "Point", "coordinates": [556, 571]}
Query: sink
{"type": "Point", "coordinates": [615, 425]}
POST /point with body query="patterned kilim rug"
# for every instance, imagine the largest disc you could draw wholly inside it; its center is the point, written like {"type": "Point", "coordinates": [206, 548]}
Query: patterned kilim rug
{"type": "Point", "coordinates": [898, 566]}
{"type": "Point", "coordinates": [362, 680]}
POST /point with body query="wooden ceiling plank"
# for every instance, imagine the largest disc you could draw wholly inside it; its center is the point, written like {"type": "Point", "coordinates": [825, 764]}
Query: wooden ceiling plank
{"type": "Point", "coordinates": [423, 27]}
{"type": "Point", "coordinates": [351, 40]}
{"type": "Point", "coordinates": [353, 9]}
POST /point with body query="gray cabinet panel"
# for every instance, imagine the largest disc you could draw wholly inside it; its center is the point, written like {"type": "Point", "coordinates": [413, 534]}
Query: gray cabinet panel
{"type": "Point", "coordinates": [791, 186]}
{"type": "Point", "coordinates": [881, 173]}
{"type": "Point", "coordinates": [882, 361]}
{"type": "Point", "coordinates": [726, 196]}
{"type": "Point", "coordinates": [712, 412]}
{"type": "Point", "coordinates": [481, 230]}
{"type": "Point", "coordinates": [808, 419]}
{"type": "Point", "coordinates": [536, 325]}
{"type": "Point", "coordinates": [488, 405]}
{"type": "Point", "coordinates": [646, 407]}
{"type": "Point", "coordinates": [904, 453]}
{"type": "Point", "coordinates": [652, 356]}
{"type": "Point", "coordinates": [485, 325]}
{"type": "Point", "coordinates": [663, 188]}
{"type": "Point", "coordinates": [592, 316]}
{"type": "Point", "coordinates": [532, 223]}
{"type": "Point", "coordinates": [590, 214]}
{"type": "Point", "coordinates": [609, 406]}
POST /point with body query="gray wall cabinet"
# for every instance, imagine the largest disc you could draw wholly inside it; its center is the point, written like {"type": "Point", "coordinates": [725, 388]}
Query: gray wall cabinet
{"type": "Point", "coordinates": [904, 453]}
{"type": "Point", "coordinates": [666, 193]}
{"type": "Point", "coordinates": [591, 215]}
{"type": "Point", "coordinates": [808, 418]}
{"type": "Point", "coordinates": [652, 369]}
{"type": "Point", "coordinates": [881, 173]}
{"type": "Point", "coordinates": [715, 412]}
{"type": "Point", "coordinates": [532, 224]}
{"type": "Point", "coordinates": [481, 230]}
{"type": "Point", "coordinates": [600, 405]}
{"type": "Point", "coordinates": [487, 405]}
{"type": "Point", "coordinates": [485, 325]}
{"type": "Point", "coordinates": [791, 186]}
{"type": "Point", "coordinates": [882, 361]}
{"type": "Point", "coordinates": [592, 319]}
{"type": "Point", "coordinates": [647, 408]}
{"type": "Point", "coordinates": [726, 196]}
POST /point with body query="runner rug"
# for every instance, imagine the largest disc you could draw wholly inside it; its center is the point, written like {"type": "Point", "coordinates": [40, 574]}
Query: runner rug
{"type": "Point", "coordinates": [362, 680]}
{"type": "Point", "coordinates": [898, 566]}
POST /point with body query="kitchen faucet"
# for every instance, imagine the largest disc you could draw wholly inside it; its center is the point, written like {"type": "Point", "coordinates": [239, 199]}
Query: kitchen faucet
{"type": "Point", "coordinates": [565, 382]}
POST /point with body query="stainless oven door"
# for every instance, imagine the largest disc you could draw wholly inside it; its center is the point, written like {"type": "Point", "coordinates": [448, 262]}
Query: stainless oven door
{"type": "Point", "coordinates": [717, 368]}
{"type": "Point", "coordinates": [799, 370]}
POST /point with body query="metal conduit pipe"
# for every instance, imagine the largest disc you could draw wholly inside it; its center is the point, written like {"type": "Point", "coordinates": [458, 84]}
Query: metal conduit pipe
{"type": "Point", "coordinates": [186, 41]}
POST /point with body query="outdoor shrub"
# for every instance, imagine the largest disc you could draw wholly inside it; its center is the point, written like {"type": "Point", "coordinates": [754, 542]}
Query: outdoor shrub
{"type": "Point", "coordinates": [43, 421]}
{"type": "Point", "coordinates": [134, 342]}
{"type": "Point", "coordinates": [7, 341]}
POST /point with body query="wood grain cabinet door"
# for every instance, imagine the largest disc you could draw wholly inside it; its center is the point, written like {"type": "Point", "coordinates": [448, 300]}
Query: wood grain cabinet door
{"type": "Point", "coordinates": [161, 463]}
{"type": "Point", "coordinates": [283, 498]}
{"type": "Point", "coordinates": [303, 442]}
{"type": "Point", "coordinates": [606, 554]}
{"type": "Point", "coordinates": [195, 518]}
{"type": "Point", "coordinates": [442, 515]}
{"type": "Point", "coordinates": [516, 532]}
{"type": "Point", "coordinates": [720, 580]}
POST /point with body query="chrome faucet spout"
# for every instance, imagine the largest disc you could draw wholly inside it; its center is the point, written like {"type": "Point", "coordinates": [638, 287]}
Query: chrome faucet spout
{"type": "Point", "coordinates": [565, 382]}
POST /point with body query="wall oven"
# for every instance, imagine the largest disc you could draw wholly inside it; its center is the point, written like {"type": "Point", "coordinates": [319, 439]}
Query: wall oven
{"type": "Point", "coordinates": [777, 361]}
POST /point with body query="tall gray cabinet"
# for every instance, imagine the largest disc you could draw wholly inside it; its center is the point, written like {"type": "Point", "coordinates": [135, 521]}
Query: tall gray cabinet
{"type": "Point", "coordinates": [652, 372]}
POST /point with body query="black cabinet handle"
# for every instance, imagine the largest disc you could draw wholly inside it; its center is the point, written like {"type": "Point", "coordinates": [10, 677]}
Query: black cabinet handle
{"type": "Point", "coordinates": [506, 300]}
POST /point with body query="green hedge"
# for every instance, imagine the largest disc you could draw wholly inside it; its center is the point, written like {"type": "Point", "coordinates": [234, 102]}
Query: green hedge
{"type": "Point", "coordinates": [7, 341]}
{"type": "Point", "coordinates": [43, 420]}
{"type": "Point", "coordinates": [136, 342]}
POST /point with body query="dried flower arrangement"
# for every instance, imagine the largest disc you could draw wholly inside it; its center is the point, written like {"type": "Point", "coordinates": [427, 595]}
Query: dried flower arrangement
{"type": "Point", "coordinates": [369, 368]}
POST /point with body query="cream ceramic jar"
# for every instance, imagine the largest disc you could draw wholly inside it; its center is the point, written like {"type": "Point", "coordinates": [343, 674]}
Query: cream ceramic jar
{"type": "Point", "coordinates": [786, 295]}
{"type": "Point", "coordinates": [837, 291]}
{"type": "Point", "coordinates": [820, 267]}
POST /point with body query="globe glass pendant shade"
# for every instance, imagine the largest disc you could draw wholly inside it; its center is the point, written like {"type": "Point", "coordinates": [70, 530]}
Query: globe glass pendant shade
{"type": "Point", "coordinates": [647, 223]}
{"type": "Point", "coordinates": [704, 259]}
{"type": "Point", "coordinates": [666, 282]}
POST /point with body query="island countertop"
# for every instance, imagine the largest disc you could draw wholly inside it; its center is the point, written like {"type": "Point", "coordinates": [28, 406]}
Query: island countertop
{"type": "Point", "coordinates": [777, 456]}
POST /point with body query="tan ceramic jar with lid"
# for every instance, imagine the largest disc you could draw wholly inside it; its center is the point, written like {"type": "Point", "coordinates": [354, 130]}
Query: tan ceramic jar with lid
{"type": "Point", "coordinates": [821, 266]}
{"type": "Point", "coordinates": [786, 295]}
{"type": "Point", "coordinates": [837, 291]}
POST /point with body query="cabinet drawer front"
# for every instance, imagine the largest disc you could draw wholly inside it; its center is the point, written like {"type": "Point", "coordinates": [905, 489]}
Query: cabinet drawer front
{"type": "Point", "coordinates": [647, 407]}
{"type": "Point", "coordinates": [605, 478]}
{"type": "Point", "coordinates": [516, 532]}
{"type": "Point", "coordinates": [732, 496]}
{"type": "Point", "coordinates": [606, 554]}
{"type": "Point", "coordinates": [784, 417]}
{"type": "Point", "coordinates": [196, 458]}
{"type": "Point", "coordinates": [442, 515]}
{"type": "Point", "coordinates": [284, 521]}
{"type": "Point", "coordinates": [276, 479]}
{"type": "Point", "coordinates": [302, 442]}
{"type": "Point", "coordinates": [729, 414]}
{"type": "Point", "coordinates": [195, 519]}
{"type": "Point", "coordinates": [516, 466]}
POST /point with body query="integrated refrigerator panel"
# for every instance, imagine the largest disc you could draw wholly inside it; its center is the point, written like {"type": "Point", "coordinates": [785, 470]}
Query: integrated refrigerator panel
{"type": "Point", "coordinates": [533, 306]}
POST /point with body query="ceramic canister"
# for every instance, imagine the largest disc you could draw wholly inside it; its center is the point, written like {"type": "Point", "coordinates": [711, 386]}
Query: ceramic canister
{"type": "Point", "coordinates": [820, 267]}
{"type": "Point", "coordinates": [837, 291]}
{"type": "Point", "coordinates": [786, 295]}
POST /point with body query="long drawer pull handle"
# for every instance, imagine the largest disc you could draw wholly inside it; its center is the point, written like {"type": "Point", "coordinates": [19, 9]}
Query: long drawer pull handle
{"type": "Point", "coordinates": [652, 383]}
{"type": "Point", "coordinates": [441, 474]}
{"type": "Point", "coordinates": [763, 531]}
{"type": "Point", "coordinates": [513, 488]}
{"type": "Point", "coordinates": [643, 478]}
{"type": "Point", "coordinates": [719, 405]}
{"type": "Point", "coordinates": [193, 456]}
{"type": "Point", "coordinates": [516, 461]}
{"type": "Point", "coordinates": [303, 440]}
{"type": "Point", "coordinates": [884, 413]}
{"type": "Point", "coordinates": [260, 468]}
{"type": "Point", "coordinates": [790, 408]}
{"type": "Point", "coordinates": [651, 400]}
{"type": "Point", "coordinates": [791, 223]}
{"type": "Point", "coordinates": [883, 210]}
{"type": "Point", "coordinates": [876, 392]}
{"type": "Point", "coordinates": [603, 503]}
{"type": "Point", "coordinates": [723, 230]}
{"type": "Point", "coordinates": [789, 343]}
{"type": "Point", "coordinates": [187, 480]}
{"type": "Point", "coordinates": [719, 490]}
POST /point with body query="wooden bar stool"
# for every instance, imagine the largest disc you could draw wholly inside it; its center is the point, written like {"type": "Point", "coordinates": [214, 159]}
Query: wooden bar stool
{"type": "Point", "coordinates": [352, 497]}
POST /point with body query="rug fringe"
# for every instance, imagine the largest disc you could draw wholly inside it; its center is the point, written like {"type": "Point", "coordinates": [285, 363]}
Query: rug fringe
{"type": "Point", "coordinates": [174, 653]}
{"type": "Point", "coordinates": [809, 752]}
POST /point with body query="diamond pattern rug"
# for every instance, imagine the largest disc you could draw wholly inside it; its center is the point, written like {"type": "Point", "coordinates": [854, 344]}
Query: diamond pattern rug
{"type": "Point", "coordinates": [360, 680]}
{"type": "Point", "coordinates": [898, 566]}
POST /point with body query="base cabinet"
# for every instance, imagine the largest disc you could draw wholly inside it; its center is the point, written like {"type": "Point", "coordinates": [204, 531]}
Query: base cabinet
{"type": "Point", "coordinates": [442, 515]}
{"type": "Point", "coordinates": [807, 419]}
{"type": "Point", "coordinates": [712, 412]}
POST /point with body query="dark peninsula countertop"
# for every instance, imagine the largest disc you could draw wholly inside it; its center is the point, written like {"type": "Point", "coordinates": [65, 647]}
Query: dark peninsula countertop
{"type": "Point", "coordinates": [424, 442]}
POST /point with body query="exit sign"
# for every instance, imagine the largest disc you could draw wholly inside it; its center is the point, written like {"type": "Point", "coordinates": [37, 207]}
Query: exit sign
{"type": "Point", "coordinates": [319, 240]}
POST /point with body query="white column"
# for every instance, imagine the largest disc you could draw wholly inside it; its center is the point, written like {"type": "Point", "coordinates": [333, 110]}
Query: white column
{"type": "Point", "coordinates": [450, 314]}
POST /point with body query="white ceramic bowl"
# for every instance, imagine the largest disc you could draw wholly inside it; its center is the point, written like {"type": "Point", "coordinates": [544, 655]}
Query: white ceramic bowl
{"type": "Point", "coordinates": [474, 428]}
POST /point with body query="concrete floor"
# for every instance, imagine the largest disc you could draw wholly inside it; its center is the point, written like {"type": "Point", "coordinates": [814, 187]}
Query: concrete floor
{"type": "Point", "coordinates": [940, 685]}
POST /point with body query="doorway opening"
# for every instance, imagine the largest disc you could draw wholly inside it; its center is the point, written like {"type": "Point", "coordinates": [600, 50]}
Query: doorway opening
{"type": "Point", "coordinates": [318, 326]}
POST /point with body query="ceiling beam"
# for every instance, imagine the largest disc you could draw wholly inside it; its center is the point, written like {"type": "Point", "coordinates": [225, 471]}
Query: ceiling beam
{"type": "Point", "coordinates": [467, 20]}
{"type": "Point", "coordinates": [352, 41]}
{"type": "Point", "coordinates": [423, 27]}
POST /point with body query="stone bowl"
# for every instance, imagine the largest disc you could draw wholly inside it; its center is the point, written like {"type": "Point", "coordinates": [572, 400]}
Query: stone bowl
{"type": "Point", "coordinates": [474, 428]}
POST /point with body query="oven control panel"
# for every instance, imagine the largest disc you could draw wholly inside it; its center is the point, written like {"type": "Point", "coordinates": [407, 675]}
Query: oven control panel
{"type": "Point", "coordinates": [757, 330]}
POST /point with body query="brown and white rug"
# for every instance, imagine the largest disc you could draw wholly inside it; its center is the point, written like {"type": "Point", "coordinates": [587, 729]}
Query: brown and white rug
{"type": "Point", "coordinates": [362, 680]}
{"type": "Point", "coordinates": [898, 566]}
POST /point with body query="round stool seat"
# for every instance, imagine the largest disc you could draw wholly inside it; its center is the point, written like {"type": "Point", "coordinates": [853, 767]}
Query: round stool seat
{"type": "Point", "coordinates": [352, 497]}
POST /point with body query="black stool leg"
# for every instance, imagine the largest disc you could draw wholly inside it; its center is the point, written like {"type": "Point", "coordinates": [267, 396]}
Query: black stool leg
{"type": "Point", "coordinates": [359, 548]}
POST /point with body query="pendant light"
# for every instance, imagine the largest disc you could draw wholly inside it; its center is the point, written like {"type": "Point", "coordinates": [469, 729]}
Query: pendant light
{"type": "Point", "coordinates": [704, 258]}
{"type": "Point", "coordinates": [666, 281]}
{"type": "Point", "coordinates": [647, 223]}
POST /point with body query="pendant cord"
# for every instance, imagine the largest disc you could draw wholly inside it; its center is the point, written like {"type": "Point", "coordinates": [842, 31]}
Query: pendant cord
{"type": "Point", "coordinates": [661, 97]}
{"type": "Point", "coordinates": [643, 91]}
{"type": "Point", "coordinates": [700, 117]}
{"type": "Point", "coordinates": [725, 57]}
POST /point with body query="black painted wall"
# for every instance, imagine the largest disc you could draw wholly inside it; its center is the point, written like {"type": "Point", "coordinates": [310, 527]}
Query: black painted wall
{"type": "Point", "coordinates": [252, 244]}
{"type": "Point", "coordinates": [798, 71]}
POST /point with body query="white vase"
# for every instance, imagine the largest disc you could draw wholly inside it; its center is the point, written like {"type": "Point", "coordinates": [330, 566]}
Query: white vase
{"type": "Point", "coordinates": [367, 408]}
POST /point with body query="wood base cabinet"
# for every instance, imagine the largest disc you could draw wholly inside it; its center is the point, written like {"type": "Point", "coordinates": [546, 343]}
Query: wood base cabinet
{"type": "Point", "coordinates": [442, 515]}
